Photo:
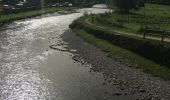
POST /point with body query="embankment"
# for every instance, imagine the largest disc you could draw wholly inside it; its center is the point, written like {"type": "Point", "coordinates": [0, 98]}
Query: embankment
{"type": "Point", "coordinates": [152, 56]}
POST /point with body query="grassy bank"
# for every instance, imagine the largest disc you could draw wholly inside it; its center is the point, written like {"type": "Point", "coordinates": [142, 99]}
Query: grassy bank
{"type": "Point", "coordinates": [147, 65]}
{"type": "Point", "coordinates": [20, 15]}
{"type": "Point", "coordinates": [151, 49]}
{"type": "Point", "coordinates": [152, 16]}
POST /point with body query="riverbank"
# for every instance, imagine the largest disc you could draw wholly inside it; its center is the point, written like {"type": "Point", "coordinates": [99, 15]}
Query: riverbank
{"type": "Point", "coordinates": [127, 77]}
{"type": "Point", "coordinates": [134, 49]}
{"type": "Point", "coordinates": [5, 18]}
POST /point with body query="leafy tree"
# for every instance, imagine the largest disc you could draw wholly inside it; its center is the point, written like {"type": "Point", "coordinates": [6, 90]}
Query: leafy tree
{"type": "Point", "coordinates": [10, 1]}
{"type": "Point", "coordinates": [123, 5]}
{"type": "Point", "coordinates": [158, 1]}
{"type": "Point", "coordinates": [140, 3]}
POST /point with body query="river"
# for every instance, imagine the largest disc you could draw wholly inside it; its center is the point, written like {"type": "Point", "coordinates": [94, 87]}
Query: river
{"type": "Point", "coordinates": [31, 70]}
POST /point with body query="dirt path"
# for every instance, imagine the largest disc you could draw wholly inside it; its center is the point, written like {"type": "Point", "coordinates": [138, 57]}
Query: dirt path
{"type": "Point", "coordinates": [129, 79]}
{"type": "Point", "coordinates": [132, 34]}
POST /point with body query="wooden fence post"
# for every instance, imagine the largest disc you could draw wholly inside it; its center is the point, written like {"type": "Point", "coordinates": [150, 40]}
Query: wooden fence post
{"type": "Point", "coordinates": [163, 34]}
{"type": "Point", "coordinates": [144, 34]}
{"type": "Point", "coordinates": [92, 20]}
{"type": "Point", "coordinates": [159, 25]}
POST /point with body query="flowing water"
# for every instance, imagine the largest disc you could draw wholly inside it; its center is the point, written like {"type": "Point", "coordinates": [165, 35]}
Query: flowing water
{"type": "Point", "coordinates": [31, 70]}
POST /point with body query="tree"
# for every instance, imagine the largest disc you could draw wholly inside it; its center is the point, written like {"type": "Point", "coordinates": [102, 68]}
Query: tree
{"type": "Point", "coordinates": [140, 3]}
{"type": "Point", "coordinates": [11, 2]}
{"type": "Point", "coordinates": [124, 5]}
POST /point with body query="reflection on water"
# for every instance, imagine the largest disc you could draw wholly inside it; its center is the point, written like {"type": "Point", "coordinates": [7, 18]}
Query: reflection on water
{"type": "Point", "coordinates": [31, 70]}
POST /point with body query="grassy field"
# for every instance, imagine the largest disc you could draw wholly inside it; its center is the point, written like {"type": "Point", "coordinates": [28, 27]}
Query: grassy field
{"type": "Point", "coordinates": [155, 10]}
{"type": "Point", "coordinates": [152, 16]}
{"type": "Point", "coordinates": [147, 65]}
{"type": "Point", "coordinates": [15, 16]}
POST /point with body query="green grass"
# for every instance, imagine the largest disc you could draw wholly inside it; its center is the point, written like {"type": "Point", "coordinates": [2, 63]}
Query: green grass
{"type": "Point", "coordinates": [110, 30]}
{"type": "Point", "coordinates": [31, 13]}
{"type": "Point", "coordinates": [147, 65]}
{"type": "Point", "coordinates": [154, 13]}
{"type": "Point", "coordinates": [155, 10]}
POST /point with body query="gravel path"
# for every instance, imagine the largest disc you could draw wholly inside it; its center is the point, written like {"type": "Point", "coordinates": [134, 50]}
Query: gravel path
{"type": "Point", "coordinates": [166, 39]}
{"type": "Point", "coordinates": [128, 78]}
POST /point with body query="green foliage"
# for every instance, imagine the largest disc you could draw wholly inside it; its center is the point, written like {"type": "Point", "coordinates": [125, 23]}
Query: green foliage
{"type": "Point", "coordinates": [159, 51]}
{"type": "Point", "coordinates": [132, 22]}
{"type": "Point", "coordinates": [124, 5]}
{"type": "Point", "coordinates": [167, 2]}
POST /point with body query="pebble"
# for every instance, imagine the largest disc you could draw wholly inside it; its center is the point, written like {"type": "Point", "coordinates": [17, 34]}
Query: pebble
{"type": "Point", "coordinates": [105, 92]}
{"type": "Point", "coordinates": [142, 90]}
{"type": "Point", "coordinates": [122, 89]}
{"type": "Point", "coordinates": [118, 93]}
{"type": "Point", "coordinates": [125, 93]}
{"type": "Point", "coordinates": [109, 81]}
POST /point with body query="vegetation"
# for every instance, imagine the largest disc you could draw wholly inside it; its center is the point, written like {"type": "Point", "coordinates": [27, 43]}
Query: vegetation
{"type": "Point", "coordinates": [126, 5]}
{"type": "Point", "coordinates": [123, 5]}
{"type": "Point", "coordinates": [151, 16]}
{"type": "Point", "coordinates": [146, 64]}
{"type": "Point", "coordinates": [150, 49]}
{"type": "Point", "coordinates": [34, 8]}
{"type": "Point", "coordinates": [52, 1]}
{"type": "Point", "coordinates": [152, 55]}
{"type": "Point", "coordinates": [15, 16]}
{"type": "Point", "coordinates": [0, 6]}
{"type": "Point", "coordinates": [167, 2]}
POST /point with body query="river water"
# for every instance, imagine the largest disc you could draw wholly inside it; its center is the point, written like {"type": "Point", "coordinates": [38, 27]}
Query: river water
{"type": "Point", "coordinates": [31, 70]}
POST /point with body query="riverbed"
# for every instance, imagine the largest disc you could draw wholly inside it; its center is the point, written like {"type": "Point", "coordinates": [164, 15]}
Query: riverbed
{"type": "Point", "coordinates": [30, 69]}
{"type": "Point", "coordinates": [37, 63]}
